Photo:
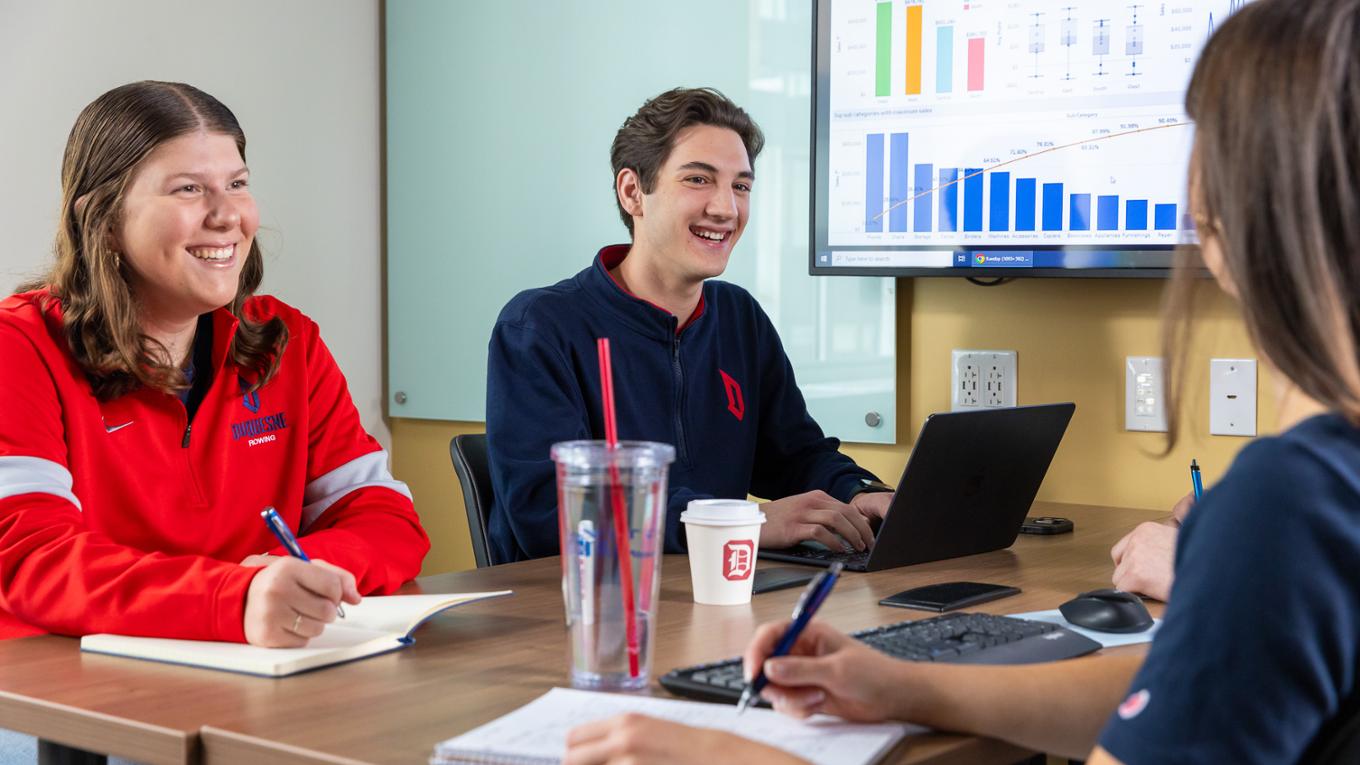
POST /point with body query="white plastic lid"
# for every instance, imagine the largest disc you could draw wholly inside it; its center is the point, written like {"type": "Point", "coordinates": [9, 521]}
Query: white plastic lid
{"type": "Point", "coordinates": [722, 512]}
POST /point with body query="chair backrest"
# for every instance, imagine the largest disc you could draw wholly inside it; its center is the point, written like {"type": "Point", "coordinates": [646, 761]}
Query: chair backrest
{"type": "Point", "coordinates": [1338, 742]}
{"type": "Point", "coordinates": [474, 474]}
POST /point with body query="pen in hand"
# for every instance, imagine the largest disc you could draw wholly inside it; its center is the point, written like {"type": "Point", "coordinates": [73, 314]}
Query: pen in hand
{"type": "Point", "coordinates": [289, 542]}
{"type": "Point", "coordinates": [1195, 482]}
{"type": "Point", "coordinates": [808, 604]}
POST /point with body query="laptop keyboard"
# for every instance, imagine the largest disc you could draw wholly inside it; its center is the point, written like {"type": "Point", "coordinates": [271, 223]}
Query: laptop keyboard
{"type": "Point", "coordinates": [960, 638]}
{"type": "Point", "coordinates": [850, 559]}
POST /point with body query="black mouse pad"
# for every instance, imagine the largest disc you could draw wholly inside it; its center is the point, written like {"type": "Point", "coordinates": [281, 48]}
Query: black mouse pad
{"type": "Point", "coordinates": [770, 579]}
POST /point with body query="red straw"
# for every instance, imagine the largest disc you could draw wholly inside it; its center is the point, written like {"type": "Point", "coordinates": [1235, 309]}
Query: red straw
{"type": "Point", "coordinates": [611, 437]}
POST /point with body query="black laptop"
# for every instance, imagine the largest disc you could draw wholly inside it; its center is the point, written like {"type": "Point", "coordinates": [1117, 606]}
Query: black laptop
{"type": "Point", "coordinates": [966, 489]}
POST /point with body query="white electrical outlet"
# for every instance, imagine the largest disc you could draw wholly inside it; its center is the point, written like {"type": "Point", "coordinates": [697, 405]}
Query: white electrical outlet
{"type": "Point", "coordinates": [1144, 394]}
{"type": "Point", "coordinates": [967, 377]}
{"type": "Point", "coordinates": [1232, 397]}
{"type": "Point", "coordinates": [983, 379]}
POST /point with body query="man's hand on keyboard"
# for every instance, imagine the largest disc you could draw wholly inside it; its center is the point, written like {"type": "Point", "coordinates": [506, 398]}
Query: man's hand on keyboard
{"type": "Point", "coordinates": [640, 740]}
{"type": "Point", "coordinates": [814, 515]}
{"type": "Point", "coordinates": [874, 505]}
{"type": "Point", "coordinates": [827, 671]}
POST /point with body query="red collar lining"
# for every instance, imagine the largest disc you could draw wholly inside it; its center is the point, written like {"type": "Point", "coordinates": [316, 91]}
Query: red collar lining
{"type": "Point", "coordinates": [613, 255]}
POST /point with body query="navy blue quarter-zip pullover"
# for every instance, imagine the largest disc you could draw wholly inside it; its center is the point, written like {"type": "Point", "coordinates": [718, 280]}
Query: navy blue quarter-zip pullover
{"type": "Point", "coordinates": [719, 389]}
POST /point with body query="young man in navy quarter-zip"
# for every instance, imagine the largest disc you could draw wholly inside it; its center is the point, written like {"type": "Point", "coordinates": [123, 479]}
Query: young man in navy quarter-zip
{"type": "Point", "coordinates": [697, 363]}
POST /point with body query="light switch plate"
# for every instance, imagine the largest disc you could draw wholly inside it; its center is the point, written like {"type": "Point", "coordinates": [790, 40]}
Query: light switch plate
{"type": "Point", "coordinates": [1144, 394]}
{"type": "Point", "coordinates": [1232, 397]}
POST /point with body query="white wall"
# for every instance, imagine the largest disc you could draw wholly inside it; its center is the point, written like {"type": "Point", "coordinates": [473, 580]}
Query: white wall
{"type": "Point", "coordinates": [302, 76]}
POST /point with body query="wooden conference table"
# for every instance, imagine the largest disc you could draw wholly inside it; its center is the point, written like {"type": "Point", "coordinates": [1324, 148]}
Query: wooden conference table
{"type": "Point", "coordinates": [477, 662]}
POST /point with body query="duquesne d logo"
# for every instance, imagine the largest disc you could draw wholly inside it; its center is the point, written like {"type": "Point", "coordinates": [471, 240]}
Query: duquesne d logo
{"type": "Point", "coordinates": [735, 403]}
{"type": "Point", "coordinates": [251, 399]}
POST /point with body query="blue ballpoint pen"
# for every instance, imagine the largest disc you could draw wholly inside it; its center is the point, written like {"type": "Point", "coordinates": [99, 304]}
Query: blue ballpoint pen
{"type": "Point", "coordinates": [289, 542]}
{"type": "Point", "coordinates": [808, 604]}
{"type": "Point", "coordinates": [1195, 481]}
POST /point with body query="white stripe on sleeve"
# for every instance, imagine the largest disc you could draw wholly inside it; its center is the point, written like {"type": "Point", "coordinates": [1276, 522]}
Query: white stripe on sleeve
{"type": "Point", "coordinates": [359, 473]}
{"type": "Point", "coordinates": [34, 475]}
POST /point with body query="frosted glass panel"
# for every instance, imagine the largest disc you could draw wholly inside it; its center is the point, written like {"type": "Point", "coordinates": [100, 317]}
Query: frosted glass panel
{"type": "Point", "coordinates": [499, 120]}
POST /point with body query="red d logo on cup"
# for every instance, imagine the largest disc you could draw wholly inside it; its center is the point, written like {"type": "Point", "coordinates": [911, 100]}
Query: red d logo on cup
{"type": "Point", "coordinates": [739, 556]}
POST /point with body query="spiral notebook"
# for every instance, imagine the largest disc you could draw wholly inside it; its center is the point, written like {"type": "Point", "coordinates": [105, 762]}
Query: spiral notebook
{"type": "Point", "coordinates": [377, 625]}
{"type": "Point", "coordinates": [536, 733]}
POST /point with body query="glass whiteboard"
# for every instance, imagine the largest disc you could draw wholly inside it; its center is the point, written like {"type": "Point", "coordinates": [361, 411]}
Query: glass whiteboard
{"type": "Point", "coordinates": [499, 121]}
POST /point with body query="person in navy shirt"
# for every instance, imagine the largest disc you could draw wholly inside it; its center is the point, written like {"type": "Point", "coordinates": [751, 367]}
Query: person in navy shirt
{"type": "Point", "coordinates": [697, 363]}
{"type": "Point", "coordinates": [1258, 659]}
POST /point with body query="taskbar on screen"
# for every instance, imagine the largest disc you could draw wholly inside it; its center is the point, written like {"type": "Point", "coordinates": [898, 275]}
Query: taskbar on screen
{"type": "Point", "coordinates": [1159, 259]}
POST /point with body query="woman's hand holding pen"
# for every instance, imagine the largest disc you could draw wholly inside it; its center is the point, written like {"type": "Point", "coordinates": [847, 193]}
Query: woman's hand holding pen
{"type": "Point", "coordinates": [291, 601]}
{"type": "Point", "coordinates": [1144, 558]}
{"type": "Point", "coordinates": [826, 672]}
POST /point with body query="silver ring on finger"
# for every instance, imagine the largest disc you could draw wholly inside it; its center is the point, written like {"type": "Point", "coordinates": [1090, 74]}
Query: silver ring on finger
{"type": "Point", "coordinates": [297, 622]}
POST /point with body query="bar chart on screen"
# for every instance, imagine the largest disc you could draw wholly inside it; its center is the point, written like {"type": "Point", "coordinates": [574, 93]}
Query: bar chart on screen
{"type": "Point", "coordinates": [1011, 122]}
{"type": "Point", "coordinates": [1089, 178]}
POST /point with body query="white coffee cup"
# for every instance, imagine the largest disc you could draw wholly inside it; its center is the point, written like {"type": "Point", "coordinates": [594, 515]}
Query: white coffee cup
{"type": "Point", "coordinates": [724, 535]}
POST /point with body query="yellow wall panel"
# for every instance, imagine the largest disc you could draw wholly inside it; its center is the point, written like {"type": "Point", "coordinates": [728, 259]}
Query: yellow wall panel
{"type": "Point", "coordinates": [1071, 336]}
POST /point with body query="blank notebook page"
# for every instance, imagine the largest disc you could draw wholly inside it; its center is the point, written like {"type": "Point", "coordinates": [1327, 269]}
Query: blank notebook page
{"type": "Point", "coordinates": [537, 732]}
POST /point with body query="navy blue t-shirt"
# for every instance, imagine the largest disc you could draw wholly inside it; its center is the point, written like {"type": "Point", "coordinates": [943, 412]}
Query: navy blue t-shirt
{"type": "Point", "coordinates": [1262, 632]}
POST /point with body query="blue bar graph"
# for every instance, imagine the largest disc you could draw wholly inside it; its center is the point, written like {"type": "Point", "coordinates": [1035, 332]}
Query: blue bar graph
{"type": "Point", "coordinates": [898, 187]}
{"type": "Point", "coordinates": [1001, 202]}
{"type": "Point", "coordinates": [1135, 215]}
{"type": "Point", "coordinates": [1107, 213]}
{"type": "Point", "coordinates": [944, 60]}
{"type": "Point", "coordinates": [949, 199]}
{"type": "Point", "coordinates": [1024, 203]}
{"type": "Point", "coordinates": [1053, 206]}
{"type": "Point", "coordinates": [1165, 217]}
{"type": "Point", "coordinates": [920, 190]}
{"type": "Point", "coordinates": [972, 199]}
{"type": "Point", "coordinates": [905, 194]}
{"type": "Point", "coordinates": [1080, 217]}
{"type": "Point", "coordinates": [873, 183]}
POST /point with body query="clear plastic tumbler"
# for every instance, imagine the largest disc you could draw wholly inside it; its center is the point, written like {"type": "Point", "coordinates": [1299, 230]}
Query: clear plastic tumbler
{"type": "Point", "coordinates": [592, 586]}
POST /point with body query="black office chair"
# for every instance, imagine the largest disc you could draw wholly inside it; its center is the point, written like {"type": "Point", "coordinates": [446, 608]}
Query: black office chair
{"type": "Point", "coordinates": [474, 474]}
{"type": "Point", "coordinates": [1339, 740]}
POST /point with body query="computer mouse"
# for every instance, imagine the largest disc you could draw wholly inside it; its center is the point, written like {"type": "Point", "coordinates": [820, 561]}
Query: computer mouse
{"type": "Point", "coordinates": [1107, 611]}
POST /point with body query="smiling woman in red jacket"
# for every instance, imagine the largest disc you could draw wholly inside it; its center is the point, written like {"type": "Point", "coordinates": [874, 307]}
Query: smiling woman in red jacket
{"type": "Point", "coordinates": [151, 407]}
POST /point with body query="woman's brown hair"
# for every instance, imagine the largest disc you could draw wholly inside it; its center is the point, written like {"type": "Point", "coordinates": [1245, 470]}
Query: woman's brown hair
{"type": "Point", "coordinates": [111, 137]}
{"type": "Point", "coordinates": [1276, 183]}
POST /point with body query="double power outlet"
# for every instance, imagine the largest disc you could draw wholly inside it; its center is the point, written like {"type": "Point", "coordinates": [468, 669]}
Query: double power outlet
{"type": "Point", "coordinates": [983, 380]}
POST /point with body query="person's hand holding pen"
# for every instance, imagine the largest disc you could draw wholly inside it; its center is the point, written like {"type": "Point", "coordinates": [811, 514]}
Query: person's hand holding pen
{"type": "Point", "coordinates": [1144, 558]}
{"type": "Point", "coordinates": [827, 672]}
{"type": "Point", "coordinates": [292, 599]}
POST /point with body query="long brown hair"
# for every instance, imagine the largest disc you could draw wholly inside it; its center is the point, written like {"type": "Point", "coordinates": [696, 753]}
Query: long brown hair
{"type": "Point", "coordinates": [1276, 182]}
{"type": "Point", "coordinates": [110, 139]}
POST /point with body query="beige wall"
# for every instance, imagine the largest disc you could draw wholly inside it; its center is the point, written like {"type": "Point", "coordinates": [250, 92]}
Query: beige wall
{"type": "Point", "coordinates": [1071, 335]}
{"type": "Point", "coordinates": [303, 77]}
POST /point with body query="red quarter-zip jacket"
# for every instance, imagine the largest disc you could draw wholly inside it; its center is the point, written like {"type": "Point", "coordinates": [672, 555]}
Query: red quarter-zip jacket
{"type": "Point", "coordinates": [124, 517]}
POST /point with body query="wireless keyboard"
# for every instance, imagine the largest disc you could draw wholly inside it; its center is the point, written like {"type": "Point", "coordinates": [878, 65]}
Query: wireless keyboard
{"type": "Point", "coordinates": [957, 638]}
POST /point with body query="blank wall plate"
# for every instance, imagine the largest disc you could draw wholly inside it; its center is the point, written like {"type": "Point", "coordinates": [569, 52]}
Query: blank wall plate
{"type": "Point", "coordinates": [1144, 394]}
{"type": "Point", "coordinates": [983, 379]}
{"type": "Point", "coordinates": [1232, 397]}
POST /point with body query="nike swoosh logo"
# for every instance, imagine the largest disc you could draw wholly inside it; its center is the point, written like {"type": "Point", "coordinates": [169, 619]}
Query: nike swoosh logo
{"type": "Point", "coordinates": [116, 428]}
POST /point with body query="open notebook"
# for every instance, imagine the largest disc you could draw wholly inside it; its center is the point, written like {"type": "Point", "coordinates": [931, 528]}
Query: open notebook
{"type": "Point", "coordinates": [377, 625]}
{"type": "Point", "coordinates": [536, 733]}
